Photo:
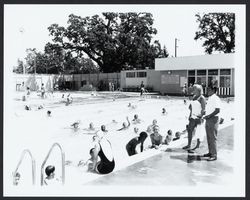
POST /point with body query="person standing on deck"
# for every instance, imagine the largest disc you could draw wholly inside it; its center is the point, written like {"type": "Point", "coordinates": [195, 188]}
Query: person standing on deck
{"type": "Point", "coordinates": [142, 88]}
{"type": "Point", "coordinates": [197, 110]}
{"type": "Point", "coordinates": [212, 122]}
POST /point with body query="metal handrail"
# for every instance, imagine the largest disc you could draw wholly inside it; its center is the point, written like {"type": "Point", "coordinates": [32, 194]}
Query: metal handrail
{"type": "Point", "coordinates": [32, 163]}
{"type": "Point", "coordinates": [63, 162]}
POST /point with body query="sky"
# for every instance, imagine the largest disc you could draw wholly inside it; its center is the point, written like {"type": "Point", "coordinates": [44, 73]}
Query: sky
{"type": "Point", "coordinates": [25, 26]}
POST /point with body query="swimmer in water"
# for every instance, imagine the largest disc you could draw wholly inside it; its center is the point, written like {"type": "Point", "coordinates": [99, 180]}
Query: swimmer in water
{"type": "Point", "coordinates": [125, 125]}
{"type": "Point", "coordinates": [91, 126]}
{"type": "Point", "coordinates": [156, 137]}
{"type": "Point", "coordinates": [50, 178]}
{"type": "Point", "coordinates": [136, 130]}
{"type": "Point", "coordinates": [27, 107]}
{"type": "Point", "coordinates": [89, 162]}
{"type": "Point", "coordinates": [76, 125]}
{"type": "Point", "coordinates": [136, 120]}
{"type": "Point", "coordinates": [49, 113]}
{"type": "Point", "coordinates": [150, 127]}
{"type": "Point", "coordinates": [164, 112]}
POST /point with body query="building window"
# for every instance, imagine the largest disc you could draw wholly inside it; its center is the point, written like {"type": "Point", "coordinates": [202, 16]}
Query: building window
{"type": "Point", "coordinates": [141, 74]}
{"type": "Point", "coordinates": [225, 81]}
{"type": "Point", "coordinates": [130, 74]}
{"type": "Point", "coordinates": [225, 72]}
{"type": "Point", "coordinates": [201, 72]}
{"type": "Point", "coordinates": [213, 72]}
{"type": "Point", "coordinates": [191, 72]}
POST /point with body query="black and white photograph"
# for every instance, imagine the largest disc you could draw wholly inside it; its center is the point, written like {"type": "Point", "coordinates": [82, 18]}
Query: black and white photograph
{"type": "Point", "coordinates": [126, 100]}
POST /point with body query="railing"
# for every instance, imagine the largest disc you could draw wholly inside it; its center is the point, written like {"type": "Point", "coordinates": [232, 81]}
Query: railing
{"type": "Point", "coordinates": [32, 163]}
{"type": "Point", "coordinates": [63, 162]}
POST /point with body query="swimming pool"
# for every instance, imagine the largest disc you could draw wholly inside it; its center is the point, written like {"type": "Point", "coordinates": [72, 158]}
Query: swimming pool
{"type": "Point", "coordinates": [35, 131]}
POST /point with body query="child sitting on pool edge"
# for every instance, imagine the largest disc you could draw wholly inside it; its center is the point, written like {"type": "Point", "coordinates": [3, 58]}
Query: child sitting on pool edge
{"type": "Point", "coordinates": [168, 138]}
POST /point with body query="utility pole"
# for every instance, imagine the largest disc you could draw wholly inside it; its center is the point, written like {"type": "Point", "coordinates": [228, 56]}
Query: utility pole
{"type": "Point", "coordinates": [175, 47]}
{"type": "Point", "coordinates": [21, 30]}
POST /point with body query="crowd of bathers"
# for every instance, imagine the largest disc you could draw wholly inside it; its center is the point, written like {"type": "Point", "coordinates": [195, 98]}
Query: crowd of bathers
{"type": "Point", "coordinates": [102, 159]}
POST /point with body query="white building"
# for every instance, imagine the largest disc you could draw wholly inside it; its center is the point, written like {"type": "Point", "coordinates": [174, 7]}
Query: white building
{"type": "Point", "coordinates": [172, 73]}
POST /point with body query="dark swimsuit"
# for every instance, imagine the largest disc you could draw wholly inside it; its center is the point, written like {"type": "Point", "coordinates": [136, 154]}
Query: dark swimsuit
{"type": "Point", "coordinates": [105, 166]}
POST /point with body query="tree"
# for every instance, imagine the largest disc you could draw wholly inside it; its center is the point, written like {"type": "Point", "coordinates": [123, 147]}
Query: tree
{"type": "Point", "coordinates": [218, 32]}
{"type": "Point", "coordinates": [113, 41]}
{"type": "Point", "coordinates": [19, 68]}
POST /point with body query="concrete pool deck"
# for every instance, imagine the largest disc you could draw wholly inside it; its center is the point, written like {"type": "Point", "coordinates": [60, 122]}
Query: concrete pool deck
{"type": "Point", "coordinates": [177, 167]}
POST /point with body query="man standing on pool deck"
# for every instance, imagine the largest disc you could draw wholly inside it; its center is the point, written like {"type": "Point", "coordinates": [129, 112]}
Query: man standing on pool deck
{"type": "Point", "coordinates": [142, 88]}
{"type": "Point", "coordinates": [212, 122]}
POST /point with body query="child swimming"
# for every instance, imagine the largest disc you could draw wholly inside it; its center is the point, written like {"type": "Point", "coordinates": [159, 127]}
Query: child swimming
{"type": "Point", "coordinates": [89, 162]}
{"type": "Point", "coordinates": [50, 178]}
{"type": "Point", "coordinates": [164, 112]}
{"type": "Point", "coordinates": [49, 113]}
{"type": "Point", "coordinates": [136, 120]}
{"type": "Point", "coordinates": [125, 125]}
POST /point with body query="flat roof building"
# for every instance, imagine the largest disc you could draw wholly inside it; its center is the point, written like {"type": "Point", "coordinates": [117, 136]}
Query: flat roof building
{"type": "Point", "coordinates": [170, 74]}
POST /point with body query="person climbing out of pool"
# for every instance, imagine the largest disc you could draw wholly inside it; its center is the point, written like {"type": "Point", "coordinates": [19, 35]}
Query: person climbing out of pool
{"type": "Point", "coordinates": [50, 175]}
{"type": "Point", "coordinates": [156, 137]}
{"type": "Point", "coordinates": [103, 151]}
{"type": "Point", "coordinates": [168, 138]}
{"type": "Point", "coordinates": [136, 120]}
{"type": "Point", "coordinates": [131, 145]}
{"type": "Point", "coordinates": [125, 125]}
{"type": "Point", "coordinates": [197, 110]}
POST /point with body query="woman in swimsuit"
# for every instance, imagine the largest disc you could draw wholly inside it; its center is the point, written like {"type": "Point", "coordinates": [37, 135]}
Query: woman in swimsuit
{"type": "Point", "coordinates": [103, 150]}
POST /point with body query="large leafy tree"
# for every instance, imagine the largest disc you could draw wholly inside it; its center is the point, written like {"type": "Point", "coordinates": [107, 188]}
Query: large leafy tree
{"type": "Point", "coordinates": [55, 60]}
{"type": "Point", "coordinates": [113, 41]}
{"type": "Point", "coordinates": [218, 32]}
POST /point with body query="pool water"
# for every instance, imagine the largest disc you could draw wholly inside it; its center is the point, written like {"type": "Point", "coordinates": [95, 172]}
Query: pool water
{"type": "Point", "coordinates": [35, 131]}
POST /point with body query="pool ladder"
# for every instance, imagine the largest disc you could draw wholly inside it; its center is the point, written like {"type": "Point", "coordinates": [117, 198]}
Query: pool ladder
{"type": "Point", "coordinates": [26, 151]}
{"type": "Point", "coordinates": [63, 162]}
